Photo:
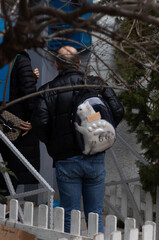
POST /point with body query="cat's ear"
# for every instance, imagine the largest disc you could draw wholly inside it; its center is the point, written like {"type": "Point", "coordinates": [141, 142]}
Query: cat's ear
{"type": "Point", "coordinates": [87, 105]}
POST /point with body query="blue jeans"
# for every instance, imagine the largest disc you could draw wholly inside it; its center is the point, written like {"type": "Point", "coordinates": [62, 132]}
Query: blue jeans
{"type": "Point", "coordinates": [77, 176]}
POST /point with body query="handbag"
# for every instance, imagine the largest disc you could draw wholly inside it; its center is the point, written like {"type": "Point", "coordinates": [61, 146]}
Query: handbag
{"type": "Point", "coordinates": [10, 125]}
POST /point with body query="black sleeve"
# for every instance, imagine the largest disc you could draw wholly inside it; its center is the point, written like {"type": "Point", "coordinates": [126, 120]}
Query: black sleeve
{"type": "Point", "coordinates": [26, 81]}
{"type": "Point", "coordinates": [40, 119]}
{"type": "Point", "coordinates": [116, 106]}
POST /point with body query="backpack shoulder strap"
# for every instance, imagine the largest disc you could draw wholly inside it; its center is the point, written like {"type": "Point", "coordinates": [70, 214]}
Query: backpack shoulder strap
{"type": "Point", "coordinates": [13, 62]}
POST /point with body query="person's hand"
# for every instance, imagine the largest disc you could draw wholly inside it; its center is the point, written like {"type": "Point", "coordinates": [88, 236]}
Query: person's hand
{"type": "Point", "coordinates": [26, 127]}
{"type": "Point", "coordinates": [36, 73]}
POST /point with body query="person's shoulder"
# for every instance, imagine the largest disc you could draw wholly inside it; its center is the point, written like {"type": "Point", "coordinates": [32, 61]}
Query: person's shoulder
{"type": "Point", "coordinates": [92, 79]}
{"type": "Point", "coordinates": [46, 85]}
{"type": "Point", "coordinates": [23, 55]}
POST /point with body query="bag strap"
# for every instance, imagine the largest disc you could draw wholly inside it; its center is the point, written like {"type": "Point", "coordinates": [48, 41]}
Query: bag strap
{"type": "Point", "coordinates": [13, 62]}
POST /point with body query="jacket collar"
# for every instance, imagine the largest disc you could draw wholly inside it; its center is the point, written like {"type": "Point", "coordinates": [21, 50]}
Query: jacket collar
{"type": "Point", "coordinates": [71, 70]}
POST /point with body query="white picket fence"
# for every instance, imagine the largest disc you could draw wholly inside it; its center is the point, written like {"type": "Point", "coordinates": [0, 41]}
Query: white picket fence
{"type": "Point", "coordinates": [119, 199]}
{"type": "Point", "coordinates": [41, 231]}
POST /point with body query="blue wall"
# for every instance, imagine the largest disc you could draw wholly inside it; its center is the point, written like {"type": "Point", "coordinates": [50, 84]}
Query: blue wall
{"type": "Point", "coordinates": [82, 38]}
{"type": "Point", "coordinates": [3, 71]}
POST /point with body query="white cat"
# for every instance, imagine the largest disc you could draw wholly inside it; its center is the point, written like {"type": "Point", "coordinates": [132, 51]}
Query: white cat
{"type": "Point", "coordinates": [98, 134]}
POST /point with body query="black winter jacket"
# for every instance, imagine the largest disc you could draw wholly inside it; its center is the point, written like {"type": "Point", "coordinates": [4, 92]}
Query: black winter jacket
{"type": "Point", "coordinates": [52, 115]}
{"type": "Point", "coordinates": [22, 82]}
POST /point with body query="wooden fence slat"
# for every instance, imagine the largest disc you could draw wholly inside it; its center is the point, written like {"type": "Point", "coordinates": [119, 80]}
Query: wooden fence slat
{"type": "Point", "coordinates": [113, 197]}
{"type": "Point", "coordinates": [134, 234]}
{"type": "Point", "coordinates": [137, 197]}
{"type": "Point", "coordinates": [42, 232]}
{"type": "Point", "coordinates": [147, 232]}
{"type": "Point", "coordinates": [148, 207]}
{"type": "Point", "coordinates": [110, 226]}
{"type": "Point", "coordinates": [75, 222]}
{"type": "Point", "coordinates": [28, 213]}
{"type": "Point", "coordinates": [92, 224]}
{"type": "Point", "coordinates": [58, 219]}
{"type": "Point", "coordinates": [124, 203]}
{"type": "Point", "coordinates": [2, 210]}
{"type": "Point", "coordinates": [116, 236]}
{"type": "Point", "coordinates": [130, 223]}
{"type": "Point", "coordinates": [43, 216]}
{"type": "Point", "coordinates": [13, 213]}
{"type": "Point", "coordinates": [98, 236]}
{"type": "Point", "coordinates": [154, 228]}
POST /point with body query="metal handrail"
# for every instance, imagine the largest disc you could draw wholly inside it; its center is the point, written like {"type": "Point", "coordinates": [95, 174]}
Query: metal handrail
{"type": "Point", "coordinates": [34, 172]}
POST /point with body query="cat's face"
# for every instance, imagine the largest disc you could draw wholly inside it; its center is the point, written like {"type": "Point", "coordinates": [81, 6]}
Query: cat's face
{"type": "Point", "coordinates": [84, 110]}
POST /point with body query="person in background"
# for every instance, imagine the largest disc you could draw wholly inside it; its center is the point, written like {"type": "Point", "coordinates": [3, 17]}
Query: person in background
{"type": "Point", "coordinates": [22, 82]}
{"type": "Point", "coordinates": [77, 174]}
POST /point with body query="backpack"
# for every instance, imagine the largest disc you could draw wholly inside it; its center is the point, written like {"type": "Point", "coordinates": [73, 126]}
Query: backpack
{"type": "Point", "coordinates": [93, 122]}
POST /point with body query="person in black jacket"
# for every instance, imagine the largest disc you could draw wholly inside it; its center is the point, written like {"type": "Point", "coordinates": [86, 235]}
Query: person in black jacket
{"type": "Point", "coordinates": [22, 82]}
{"type": "Point", "coordinates": [76, 174]}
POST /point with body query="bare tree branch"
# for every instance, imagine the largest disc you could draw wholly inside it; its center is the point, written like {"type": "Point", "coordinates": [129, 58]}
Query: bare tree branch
{"type": "Point", "coordinates": [26, 29]}
{"type": "Point", "coordinates": [54, 89]}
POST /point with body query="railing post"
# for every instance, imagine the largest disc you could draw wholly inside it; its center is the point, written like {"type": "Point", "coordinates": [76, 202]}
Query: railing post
{"type": "Point", "coordinates": [50, 209]}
